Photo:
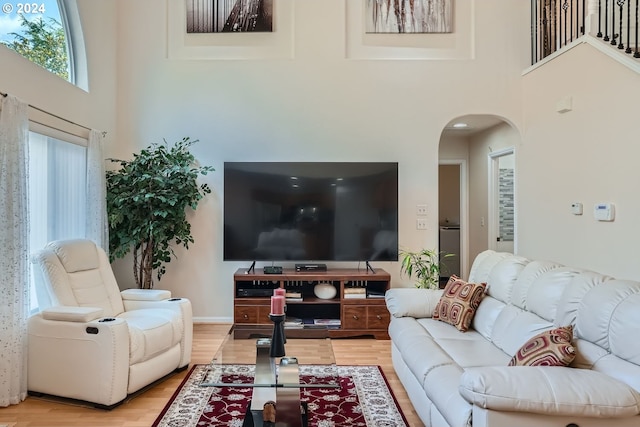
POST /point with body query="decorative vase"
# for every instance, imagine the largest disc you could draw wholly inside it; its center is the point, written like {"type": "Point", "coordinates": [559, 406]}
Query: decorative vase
{"type": "Point", "coordinates": [325, 290]}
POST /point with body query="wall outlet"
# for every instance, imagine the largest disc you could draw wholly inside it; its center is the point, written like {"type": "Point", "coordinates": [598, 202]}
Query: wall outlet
{"type": "Point", "coordinates": [421, 209]}
{"type": "Point", "coordinates": [421, 224]}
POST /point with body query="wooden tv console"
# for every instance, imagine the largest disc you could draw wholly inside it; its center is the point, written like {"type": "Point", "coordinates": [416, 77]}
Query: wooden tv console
{"type": "Point", "coordinates": [363, 315]}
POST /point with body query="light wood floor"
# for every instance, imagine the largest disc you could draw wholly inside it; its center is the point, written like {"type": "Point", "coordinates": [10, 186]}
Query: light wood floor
{"type": "Point", "coordinates": [142, 410]}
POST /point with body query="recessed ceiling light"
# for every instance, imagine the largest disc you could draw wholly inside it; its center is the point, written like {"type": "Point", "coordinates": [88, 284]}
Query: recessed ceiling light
{"type": "Point", "coordinates": [460, 125]}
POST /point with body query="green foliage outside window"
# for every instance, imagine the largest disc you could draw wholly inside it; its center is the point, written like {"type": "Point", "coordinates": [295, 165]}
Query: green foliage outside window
{"type": "Point", "coordinates": [43, 42]}
{"type": "Point", "coordinates": [147, 202]}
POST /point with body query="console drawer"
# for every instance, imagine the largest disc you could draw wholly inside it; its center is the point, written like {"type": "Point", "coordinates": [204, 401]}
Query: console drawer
{"type": "Point", "coordinates": [378, 317]}
{"type": "Point", "coordinates": [354, 317]}
{"type": "Point", "coordinates": [251, 314]}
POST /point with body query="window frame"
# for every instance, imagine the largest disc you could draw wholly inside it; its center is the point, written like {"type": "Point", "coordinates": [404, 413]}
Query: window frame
{"type": "Point", "coordinates": [76, 51]}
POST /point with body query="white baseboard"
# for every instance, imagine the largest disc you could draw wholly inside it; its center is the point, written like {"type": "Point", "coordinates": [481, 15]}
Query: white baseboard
{"type": "Point", "coordinates": [212, 320]}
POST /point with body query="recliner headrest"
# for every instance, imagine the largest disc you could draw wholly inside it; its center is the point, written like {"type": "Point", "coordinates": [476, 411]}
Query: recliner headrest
{"type": "Point", "coordinates": [76, 255]}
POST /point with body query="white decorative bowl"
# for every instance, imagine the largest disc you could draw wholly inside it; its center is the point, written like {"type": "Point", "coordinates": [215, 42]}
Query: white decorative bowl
{"type": "Point", "coordinates": [325, 290]}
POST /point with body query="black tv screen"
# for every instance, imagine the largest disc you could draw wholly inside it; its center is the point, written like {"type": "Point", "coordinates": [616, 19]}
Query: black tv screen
{"type": "Point", "coordinates": [311, 211]}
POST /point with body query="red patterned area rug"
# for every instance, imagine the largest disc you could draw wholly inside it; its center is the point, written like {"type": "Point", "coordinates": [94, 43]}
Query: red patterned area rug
{"type": "Point", "coordinates": [363, 400]}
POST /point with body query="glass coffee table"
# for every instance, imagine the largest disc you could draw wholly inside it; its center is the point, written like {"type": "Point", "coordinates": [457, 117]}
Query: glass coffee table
{"type": "Point", "coordinates": [275, 380]}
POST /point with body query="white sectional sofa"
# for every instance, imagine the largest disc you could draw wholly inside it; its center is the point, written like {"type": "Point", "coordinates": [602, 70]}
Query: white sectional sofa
{"type": "Point", "coordinates": [457, 379]}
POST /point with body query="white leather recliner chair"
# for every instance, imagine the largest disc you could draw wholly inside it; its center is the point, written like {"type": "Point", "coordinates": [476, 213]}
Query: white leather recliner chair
{"type": "Point", "coordinates": [92, 342]}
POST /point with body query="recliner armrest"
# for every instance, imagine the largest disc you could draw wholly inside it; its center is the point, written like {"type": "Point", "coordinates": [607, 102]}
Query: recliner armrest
{"type": "Point", "coordinates": [72, 314]}
{"type": "Point", "coordinates": [549, 390]}
{"type": "Point", "coordinates": [145, 294]}
{"type": "Point", "coordinates": [87, 361]}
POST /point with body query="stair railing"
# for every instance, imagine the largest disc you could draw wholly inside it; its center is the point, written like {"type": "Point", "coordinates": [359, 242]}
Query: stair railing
{"type": "Point", "coordinates": [557, 23]}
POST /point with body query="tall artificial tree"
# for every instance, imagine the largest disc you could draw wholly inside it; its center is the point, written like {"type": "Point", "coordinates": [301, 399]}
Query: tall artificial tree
{"type": "Point", "coordinates": [147, 202]}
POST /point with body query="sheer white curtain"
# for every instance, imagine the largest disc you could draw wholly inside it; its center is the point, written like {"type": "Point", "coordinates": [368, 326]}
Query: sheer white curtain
{"type": "Point", "coordinates": [96, 219]}
{"type": "Point", "coordinates": [14, 250]}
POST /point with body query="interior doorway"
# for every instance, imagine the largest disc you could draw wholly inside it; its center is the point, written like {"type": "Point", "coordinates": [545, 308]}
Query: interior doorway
{"type": "Point", "coordinates": [452, 216]}
{"type": "Point", "coordinates": [469, 141]}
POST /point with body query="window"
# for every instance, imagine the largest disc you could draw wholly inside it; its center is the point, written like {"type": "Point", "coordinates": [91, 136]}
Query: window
{"type": "Point", "coordinates": [57, 195]}
{"type": "Point", "coordinates": [47, 33]}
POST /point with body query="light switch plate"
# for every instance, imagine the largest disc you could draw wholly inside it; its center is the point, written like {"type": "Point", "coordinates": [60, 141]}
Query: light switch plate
{"type": "Point", "coordinates": [576, 208]}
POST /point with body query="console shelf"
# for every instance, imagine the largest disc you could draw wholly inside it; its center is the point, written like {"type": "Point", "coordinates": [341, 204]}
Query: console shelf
{"type": "Point", "coordinates": [358, 308]}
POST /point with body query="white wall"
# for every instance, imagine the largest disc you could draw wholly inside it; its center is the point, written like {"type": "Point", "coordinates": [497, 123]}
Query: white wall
{"type": "Point", "coordinates": [454, 147]}
{"type": "Point", "coordinates": [318, 105]}
{"type": "Point", "coordinates": [480, 147]}
{"type": "Point", "coordinates": [587, 155]}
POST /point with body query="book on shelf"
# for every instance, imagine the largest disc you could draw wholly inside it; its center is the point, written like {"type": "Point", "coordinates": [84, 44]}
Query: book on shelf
{"type": "Point", "coordinates": [293, 323]}
{"type": "Point", "coordinates": [375, 294]}
{"type": "Point", "coordinates": [355, 296]}
{"type": "Point", "coordinates": [329, 323]}
{"type": "Point", "coordinates": [292, 296]}
{"type": "Point", "coordinates": [311, 323]}
{"type": "Point", "coordinates": [355, 291]}
{"type": "Point", "coordinates": [326, 321]}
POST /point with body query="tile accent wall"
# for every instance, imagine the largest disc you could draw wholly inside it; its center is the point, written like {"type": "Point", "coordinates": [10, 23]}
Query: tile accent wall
{"type": "Point", "coordinates": [507, 205]}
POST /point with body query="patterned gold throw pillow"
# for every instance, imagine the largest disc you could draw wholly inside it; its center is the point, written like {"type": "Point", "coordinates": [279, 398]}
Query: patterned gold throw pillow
{"type": "Point", "coordinates": [459, 302]}
{"type": "Point", "coordinates": [549, 348]}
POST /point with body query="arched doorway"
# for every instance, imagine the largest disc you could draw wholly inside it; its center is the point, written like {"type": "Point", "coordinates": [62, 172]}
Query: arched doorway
{"type": "Point", "coordinates": [467, 187]}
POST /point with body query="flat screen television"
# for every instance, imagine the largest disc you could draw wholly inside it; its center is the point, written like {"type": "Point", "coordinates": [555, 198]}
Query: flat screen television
{"type": "Point", "coordinates": [311, 211]}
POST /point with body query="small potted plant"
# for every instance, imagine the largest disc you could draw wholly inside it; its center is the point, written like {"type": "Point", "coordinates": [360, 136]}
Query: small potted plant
{"type": "Point", "coordinates": [147, 201]}
{"type": "Point", "coordinates": [424, 265]}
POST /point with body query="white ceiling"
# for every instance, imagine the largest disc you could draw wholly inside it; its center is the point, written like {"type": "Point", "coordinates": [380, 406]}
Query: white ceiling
{"type": "Point", "coordinates": [475, 123]}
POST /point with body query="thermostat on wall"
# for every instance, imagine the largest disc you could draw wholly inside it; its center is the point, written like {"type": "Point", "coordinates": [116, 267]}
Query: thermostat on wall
{"type": "Point", "coordinates": [604, 211]}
